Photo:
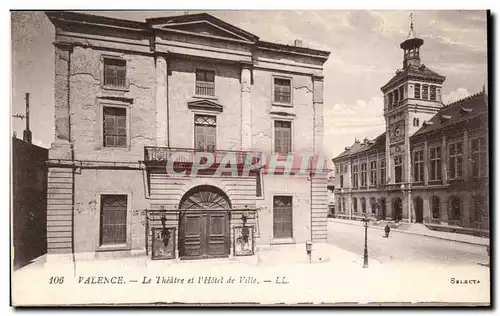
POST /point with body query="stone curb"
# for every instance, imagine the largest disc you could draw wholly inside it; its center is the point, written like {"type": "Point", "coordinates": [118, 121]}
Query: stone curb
{"type": "Point", "coordinates": [413, 233]}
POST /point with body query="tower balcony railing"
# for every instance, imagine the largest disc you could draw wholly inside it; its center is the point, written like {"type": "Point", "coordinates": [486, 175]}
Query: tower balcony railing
{"type": "Point", "coordinates": [160, 155]}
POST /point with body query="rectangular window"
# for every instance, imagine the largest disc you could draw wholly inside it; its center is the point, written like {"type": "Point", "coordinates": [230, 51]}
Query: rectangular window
{"type": "Point", "coordinates": [398, 169]}
{"type": "Point", "coordinates": [341, 181]}
{"type": "Point", "coordinates": [282, 90]}
{"type": "Point", "coordinates": [425, 92]}
{"type": "Point", "coordinates": [418, 166]}
{"type": "Point", "coordinates": [282, 217]}
{"type": "Point", "coordinates": [363, 174]}
{"type": "Point", "coordinates": [435, 160]}
{"type": "Point", "coordinates": [382, 171]}
{"type": "Point", "coordinates": [205, 132]}
{"type": "Point", "coordinates": [115, 73]}
{"type": "Point", "coordinates": [282, 137]}
{"type": "Point", "coordinates": [478, 157]}
{"type": "Point", "coordinates": [417, 91]}
{"type": "Point", "coordinates": [205, 82]}
{"type": "Point", "coordinates": [355, 176]}
{"type": "Point", "coordinates": [455, 161]}
{"type": "Point", "coordinates": [345, 168]}
{"type": "Point", "coordinates": [401, 93]}
{"type": "Point", "coordinates": [373, 173]}
{"type": "Point", "coordinates": [115, 126]}
{"type": "Point", "coordinates": [337, 170]}
{"type": "Point", "coordinates": [433, 92]}
{"type": "Point", "coordinates": [113, 219]}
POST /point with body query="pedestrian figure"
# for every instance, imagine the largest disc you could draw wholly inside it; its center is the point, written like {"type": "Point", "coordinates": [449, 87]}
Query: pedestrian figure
{"type": "Point", "coordinates": [387, 230]}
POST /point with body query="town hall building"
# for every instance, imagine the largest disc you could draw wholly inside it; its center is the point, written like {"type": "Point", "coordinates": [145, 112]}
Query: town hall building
{"type": "Point", "coordinates": [431, 163]}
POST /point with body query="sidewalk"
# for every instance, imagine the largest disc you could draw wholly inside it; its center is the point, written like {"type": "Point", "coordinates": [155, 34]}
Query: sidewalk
{"type": "Point", "coordinates": [420, 229]}
{"type": "Point", "coordinates": [279, 274]}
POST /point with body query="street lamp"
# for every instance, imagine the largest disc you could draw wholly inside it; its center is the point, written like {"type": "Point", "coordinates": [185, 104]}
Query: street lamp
{"type": "Point", "coordinates": [365, 254]}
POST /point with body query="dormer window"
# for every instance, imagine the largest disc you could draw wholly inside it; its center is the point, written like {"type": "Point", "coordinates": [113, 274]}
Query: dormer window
{"type": "Point", "coordinates": [205, 82]}
{"type": "Point", "coordinates": [445, 118]}
{"type": "Point", "coordinates": [464, 111]}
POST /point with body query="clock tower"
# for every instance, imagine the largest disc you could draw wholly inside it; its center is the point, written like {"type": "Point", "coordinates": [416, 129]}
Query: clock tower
{"type": "Point", "coordinates": [411, 97]}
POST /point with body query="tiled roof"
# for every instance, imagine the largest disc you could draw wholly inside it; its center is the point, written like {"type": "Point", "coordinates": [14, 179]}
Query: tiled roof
{"type": "Point", "coordinates": [415, 71]}
{"type": "Point", "coordinates": [359, 147]}
{"type": "Point", "coordinates": [456, 112]}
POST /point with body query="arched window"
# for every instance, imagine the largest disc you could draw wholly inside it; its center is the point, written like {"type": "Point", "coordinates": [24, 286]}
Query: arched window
{"type": "Point", "coordinates": [435, 207]}
{"type": "Point", "coordinates": [363, 205]}
{"type": "Point", "coordinates": [455, 208]}
{"type": "Point", "coordinates": [355, 205]}
{"type": "Point", "coordinates": [479, 209]}
{"type": "Point", "coordinates": [373, 205]}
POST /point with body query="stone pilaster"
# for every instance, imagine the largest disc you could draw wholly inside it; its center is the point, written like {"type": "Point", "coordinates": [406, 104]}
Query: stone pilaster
{"type": "Point", "coordinates": [246, 106]}
{"type": "Point", "coordinates": [161, 101]}
{"type": "Point", "coordinates": [318, 113]}
{"type": "Point", "coordinates": [444, 158]}
{"type": "Point", "coordinates": [466, 156]}
{"type": "Point", "coordinates": [60, 148]}
{"type": "Point", "coordinates": [426, 163]}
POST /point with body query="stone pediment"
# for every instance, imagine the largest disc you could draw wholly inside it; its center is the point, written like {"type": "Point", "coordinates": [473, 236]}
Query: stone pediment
{"type": "Point", "coordinates": [205, 105]}
{"type": "Point", "coordinates": [202, 24]}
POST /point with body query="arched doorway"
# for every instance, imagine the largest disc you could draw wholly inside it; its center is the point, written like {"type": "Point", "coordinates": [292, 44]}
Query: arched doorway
{"type": "Point", "coordinates": [418, 205]}
{"type": "Point", "coordinates": [397, 207]}
{"type": "Point", "coordinates": [383, 212]}
{"type": "Point", "coordinates": [204, 223]}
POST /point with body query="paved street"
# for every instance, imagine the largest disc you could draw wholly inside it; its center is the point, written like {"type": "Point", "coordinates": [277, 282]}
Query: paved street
{"type": "Point", "coordinates": [404, 248]}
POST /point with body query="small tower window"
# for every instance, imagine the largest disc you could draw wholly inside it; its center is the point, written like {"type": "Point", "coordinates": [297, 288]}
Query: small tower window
{"type": "Point", "coordinates": [433, 92]}
{"type": "Point", "coordinates": [416, 122]}
{"type": "Point", "coordinates": [425, 92]}
{"type": "Point", "coordinates": [417, 91]}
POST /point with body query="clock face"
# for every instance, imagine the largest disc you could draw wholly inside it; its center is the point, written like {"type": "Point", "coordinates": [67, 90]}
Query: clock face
{"type": "Point", "coordinates": [397, 131]}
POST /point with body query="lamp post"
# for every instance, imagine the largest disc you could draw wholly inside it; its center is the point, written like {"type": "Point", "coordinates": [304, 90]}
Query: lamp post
{"type": "Point", "coordinates": [365, 254]}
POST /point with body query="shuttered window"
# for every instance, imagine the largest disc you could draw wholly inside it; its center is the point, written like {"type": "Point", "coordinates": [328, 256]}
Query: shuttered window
{"type": "Point", "coordinates": [115, 127]}
{"type": "Point", "coordinates": [205, 82]}
{"type": "Point", "coordinates": [282, 90]}
{"type": "Point", "coordinates": [282, 217]}
{"type": "Point", "coordinates": [205, 132]}
{"type": "Point", "coordinates": [282, 137]}
{"type": "Point", "coordinates": [113, 219]}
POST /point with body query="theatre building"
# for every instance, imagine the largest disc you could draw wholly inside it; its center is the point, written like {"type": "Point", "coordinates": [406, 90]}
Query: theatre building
{"type": "Point", "coordinates": [431, 163]}
{"type": "Point", "coordinates": [133, 98]}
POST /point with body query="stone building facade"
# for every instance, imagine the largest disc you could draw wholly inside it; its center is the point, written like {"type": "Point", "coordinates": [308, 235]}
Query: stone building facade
{"type": "Point", "coordinates": [131, 95]}
{"type": "Point", "coordinates": [431, 163]}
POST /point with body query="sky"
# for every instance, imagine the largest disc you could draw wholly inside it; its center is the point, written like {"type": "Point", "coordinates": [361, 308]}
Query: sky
{"type": "Point", "coordinates": [364, 48]}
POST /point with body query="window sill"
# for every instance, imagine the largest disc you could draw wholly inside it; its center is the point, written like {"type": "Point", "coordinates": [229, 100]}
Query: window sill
{"type": "Point", "coordinates": [210, 97]}
{"type": "Point", "coordinates": [288, 105]}
{"type": "Point", "coordinates": [282, 241]}
{"type": "Point", "coordinates": [112, 88]}
{"type": "Point", "coordinates": [118, 149]}
{"type": "Point", "coordinates": [114, 247]}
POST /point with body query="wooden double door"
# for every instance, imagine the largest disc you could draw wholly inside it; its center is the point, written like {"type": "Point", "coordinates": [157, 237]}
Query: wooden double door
{"type": "Point", "coordinates": [204, 234]}
{"type": "Point", "coordinates": [204, 229]}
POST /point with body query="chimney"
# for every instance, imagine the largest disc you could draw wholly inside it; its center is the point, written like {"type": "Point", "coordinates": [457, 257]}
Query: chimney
{"type": "Point", "coordinates": [27, 132]}
{"type": "Point", "coordinates": [297, 43]}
